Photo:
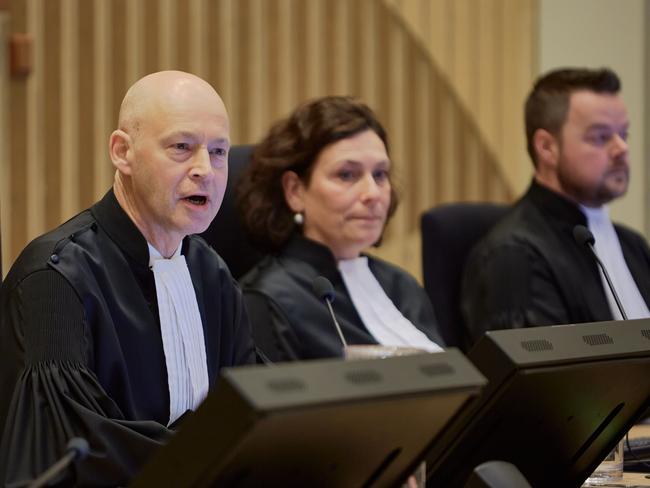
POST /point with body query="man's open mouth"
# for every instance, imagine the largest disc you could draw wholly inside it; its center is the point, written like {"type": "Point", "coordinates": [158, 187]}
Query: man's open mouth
{"type": "Point", "coordinates": [196, 199]}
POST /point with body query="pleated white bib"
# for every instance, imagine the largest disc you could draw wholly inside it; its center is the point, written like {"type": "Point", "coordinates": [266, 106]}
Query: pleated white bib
{"type": "Point", "coordinates": [182, 333]}
{"type": "Point", "coordinates": [378, 313]}
{"type": "Point", "coordinates": [609, 250]}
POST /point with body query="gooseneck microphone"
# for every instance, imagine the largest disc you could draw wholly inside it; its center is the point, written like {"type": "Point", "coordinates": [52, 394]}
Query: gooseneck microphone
{"type": "Point", "coordinates": [325, 291]}
{"type": "Point", "coordinates": [265, 359]}
{"type": "Point", "coordinates": [76, 450]}
{"type": "Point", "coordinates": [584, 237]}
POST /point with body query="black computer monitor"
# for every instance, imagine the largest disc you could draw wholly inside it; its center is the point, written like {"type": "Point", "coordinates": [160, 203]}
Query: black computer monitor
{"type": "Point", "coordinates": [318, 423]}
{"type": "Point", "coordinates": [558, 400]}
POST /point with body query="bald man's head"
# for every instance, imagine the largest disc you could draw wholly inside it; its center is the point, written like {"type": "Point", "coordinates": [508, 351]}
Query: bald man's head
{"type": "Point", "coordinates": [170, 152]}
{"type": "Point", "coordinates": [159, 90]}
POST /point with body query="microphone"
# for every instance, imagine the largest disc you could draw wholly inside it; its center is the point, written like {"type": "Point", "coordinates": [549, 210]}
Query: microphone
{"type": "Point", "coordinates": [265, 359]}
{"type": "Point", "coordinates": [325, 291]}
{"type": "Point", "coordinates": [76, 450]}
{"type": "Point", "coordinates": [584, 237]}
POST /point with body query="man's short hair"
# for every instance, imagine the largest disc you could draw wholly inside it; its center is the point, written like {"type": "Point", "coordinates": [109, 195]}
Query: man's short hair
{"type": "Point", "coordinates": [547, 104]}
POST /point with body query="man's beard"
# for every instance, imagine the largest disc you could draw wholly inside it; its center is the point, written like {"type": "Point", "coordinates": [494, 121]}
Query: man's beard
{"type": "Point", "coordinates": [604, 191]}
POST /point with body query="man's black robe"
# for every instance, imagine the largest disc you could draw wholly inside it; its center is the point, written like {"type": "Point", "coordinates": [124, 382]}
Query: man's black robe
{"type": "Point", "coordinates": [530, 271]}
{"type": "Point", "coordinates": [81, 350]}
{"type": "Point", "coordinates": [290, 322]}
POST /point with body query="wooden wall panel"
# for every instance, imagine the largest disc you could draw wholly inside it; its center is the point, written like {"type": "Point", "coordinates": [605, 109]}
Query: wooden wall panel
{"type": "Point", "coordinates": [180, 24]}
{"type": "Point", "coordinates": [34, 196]}
{"type": "Point", "coordinates": [221, 50]}
{"type": "Point", "coordinates": [382, 82]}
{"type": "Point", "coordinates": [432, 69]}
{"type": "Point", "coordinates": [253, 70]}
{"type": "Point", "coordinates": [369, 59]}
{"type": "Point", "coordinates": [103, 103]}
{"type": "Point", "coordinates": [5, 175]}
{"type": "Point", "coordinates": [314, 68]}
{"type": "Point", "coordinates": [397, 81]}
{"type": "Point", "coordinates": [486, 51]}
{"type": "Point", "coordinates": [135, 39]}
{"type": "Point", "coordinates": [48, 158]}
{"type": "Point", "coordinates": [151, 46]}
{"type": "Point", "coordinates": [68, 119]}
{"type": "Point", "coordinates": [14, 208]}
{"type": "Point", "coordinates": [423, 155]}
{"type": "Point", "coordinates": [490, 65]}
{"type": "Point", "coordinates": [85, 94]}
{"type": "Point", "coordinates": [298, 35]}
{"type": "Point", "coordinates": [167, 33]}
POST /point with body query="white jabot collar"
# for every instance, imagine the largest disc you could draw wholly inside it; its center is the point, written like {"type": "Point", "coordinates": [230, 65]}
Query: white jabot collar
{"type": "Point", "coordinates": [610, 253]}
{"type": "Point", "coordinates": [378, 313]}
{"type": "Point", "coordinates": [182, 333]}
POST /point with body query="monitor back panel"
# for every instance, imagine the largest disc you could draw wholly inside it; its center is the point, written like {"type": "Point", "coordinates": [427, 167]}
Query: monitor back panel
{"type": "Point", "coordinates": [558, 400]}
{"type": "Point", "coordinates": [318, 423]}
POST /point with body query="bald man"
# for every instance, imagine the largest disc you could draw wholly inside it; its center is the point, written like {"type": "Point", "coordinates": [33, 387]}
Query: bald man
{"type": "Point", "coordinates": [115, 324]}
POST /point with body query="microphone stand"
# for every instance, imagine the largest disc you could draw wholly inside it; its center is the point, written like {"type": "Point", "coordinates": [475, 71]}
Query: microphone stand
{"type": "Point", "coordinates": [325, 291]}
{"type": "Point", "coordinates": [583, 236]}
{"type": "Point", "coordinates": [336, 323]}
{"type": "Point", "coordinates": [609, 281]}
{"type": "Point", "coordinates": [77, 448]}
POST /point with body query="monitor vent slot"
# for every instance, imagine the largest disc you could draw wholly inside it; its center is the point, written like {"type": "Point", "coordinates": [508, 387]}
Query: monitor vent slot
{"type": "Point", "coordinates": [436, 369]}
{"type": "Point", "coordinates": [646, 333]}
{"type": "Point", "coordinates": [537, 345]}
{"type": "Point", "coordinates": [597, 339]}
{"type": "Point", "coordinates": [363, 376]}
{"type": "Point", "coordinates": [286, 385]}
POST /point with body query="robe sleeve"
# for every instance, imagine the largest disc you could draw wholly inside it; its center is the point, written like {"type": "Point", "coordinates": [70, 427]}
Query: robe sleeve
{"type": "Point", "coordinates": [272, 332]}
{"type": "Point", "coordinates": [243, 343]}
{"type": "Point", "coordinates": [414, 301]}
{"type": "Point", "coordinates": [509, 287]}
{"type": "Point", "coordinates": [56, 395]}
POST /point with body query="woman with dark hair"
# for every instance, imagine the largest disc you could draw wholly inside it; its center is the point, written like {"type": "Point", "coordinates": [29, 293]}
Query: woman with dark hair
{"type": "Point", "coordinates": [318, 193]}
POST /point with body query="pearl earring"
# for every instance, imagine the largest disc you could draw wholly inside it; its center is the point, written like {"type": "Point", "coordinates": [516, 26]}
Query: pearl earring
{"type": "Point", "coordinates": [298, 218]}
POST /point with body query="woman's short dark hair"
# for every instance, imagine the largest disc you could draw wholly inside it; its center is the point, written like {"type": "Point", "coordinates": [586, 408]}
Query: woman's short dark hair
{"type": "Point", "coordinates": [293, 144]}
{"type": "Point", "coordinates": [548, 102]}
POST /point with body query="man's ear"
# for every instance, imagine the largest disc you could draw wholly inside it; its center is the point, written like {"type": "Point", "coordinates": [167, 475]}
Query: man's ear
{"type": "Point", "coordinates": [547, 148]}
{"type": "Point", "coordinates": [120, 148]}
{"type": "Point", "coordinates": [293, 191]}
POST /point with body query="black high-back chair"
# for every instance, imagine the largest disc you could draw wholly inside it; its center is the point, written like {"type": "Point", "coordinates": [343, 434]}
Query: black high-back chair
{"type": "Point", "coordinates": [449, 232]}
{"type": "Point", "coordinates": [226, 233]}
{"type": "Point", "coordinates": [1, 251]}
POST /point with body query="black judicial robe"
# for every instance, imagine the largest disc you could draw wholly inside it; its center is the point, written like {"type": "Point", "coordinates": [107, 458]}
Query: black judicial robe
{"type": "Point", "coordinates": [529, 271]}
{"type": "Point", "coordinates": [290, 322]}
{"type": "Point", "coordinates": [81, 350]}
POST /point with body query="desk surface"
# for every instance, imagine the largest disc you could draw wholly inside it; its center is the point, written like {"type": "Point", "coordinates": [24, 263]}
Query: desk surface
{"type": "Point", "coordinates": [630, 480]}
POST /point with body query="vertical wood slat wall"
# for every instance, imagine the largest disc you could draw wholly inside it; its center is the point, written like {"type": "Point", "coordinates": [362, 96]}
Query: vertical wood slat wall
{"type": "Point", "coordinates": [263, 56]}
{"type": "Point", "coordinates": [486, 49]}
{"type": "Point", "coordinates": [4, 127]}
